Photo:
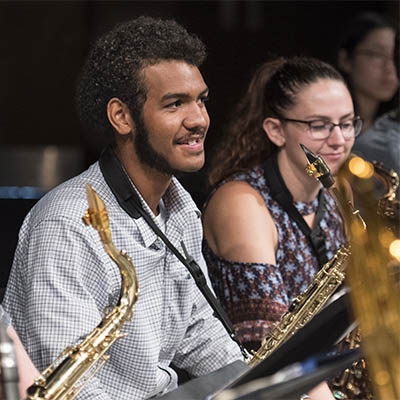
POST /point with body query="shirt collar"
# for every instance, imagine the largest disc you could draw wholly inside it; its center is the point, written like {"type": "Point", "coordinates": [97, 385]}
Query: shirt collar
{"type": "Point", "coordinates": [179, 207]}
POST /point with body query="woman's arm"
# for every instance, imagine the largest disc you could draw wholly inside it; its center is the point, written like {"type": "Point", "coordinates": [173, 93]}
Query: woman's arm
{"type": "Point", "coordinates": [238, 225]}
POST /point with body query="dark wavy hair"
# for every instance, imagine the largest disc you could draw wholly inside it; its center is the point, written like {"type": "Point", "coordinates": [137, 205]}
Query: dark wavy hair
{"type": "Point", "coordinates": [272, 92]}
{"type": "Point", "coordinates": [115, 63]}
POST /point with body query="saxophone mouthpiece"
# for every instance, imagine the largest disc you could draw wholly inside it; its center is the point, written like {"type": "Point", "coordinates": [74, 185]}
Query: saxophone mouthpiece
{"type": "Point", "coordinates": [311, 157]}
{"type": "Point", "coordinates": [318, 168]}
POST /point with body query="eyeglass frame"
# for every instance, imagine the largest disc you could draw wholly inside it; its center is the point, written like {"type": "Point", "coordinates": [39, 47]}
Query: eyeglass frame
{"type": "Point", "coordinates": [332, 126]}
{"type": "Point", "coordinates": [383, 58]}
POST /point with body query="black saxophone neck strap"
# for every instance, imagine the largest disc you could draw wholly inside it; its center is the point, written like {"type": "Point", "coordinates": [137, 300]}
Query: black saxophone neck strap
{"type": "Point", "coordinates": [281, 194]}
{"type": "Point", "coordinates": [119, 183]}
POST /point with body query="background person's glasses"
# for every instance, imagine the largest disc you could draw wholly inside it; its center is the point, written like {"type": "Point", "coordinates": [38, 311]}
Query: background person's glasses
{"type": "Point", "coordinates": [321, 129]}
{"type": "Point", "coordinates": [377, 58]}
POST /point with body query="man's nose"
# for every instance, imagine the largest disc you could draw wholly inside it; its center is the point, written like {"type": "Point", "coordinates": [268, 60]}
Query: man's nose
{"type": "Point", "coordinates": [197, 117]}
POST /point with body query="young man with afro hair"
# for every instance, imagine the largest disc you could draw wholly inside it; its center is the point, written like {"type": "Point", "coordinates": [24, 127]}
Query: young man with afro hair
{"type": "Point", "coordinates": [141, 85]}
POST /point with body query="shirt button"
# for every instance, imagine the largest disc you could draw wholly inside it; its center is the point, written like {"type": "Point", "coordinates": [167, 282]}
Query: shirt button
{"type": "Point", "coordinates": [156, 245]}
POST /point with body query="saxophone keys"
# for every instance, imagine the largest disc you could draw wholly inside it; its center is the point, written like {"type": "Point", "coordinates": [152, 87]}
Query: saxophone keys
{"type": "Point", "coordinates": [120, 335]}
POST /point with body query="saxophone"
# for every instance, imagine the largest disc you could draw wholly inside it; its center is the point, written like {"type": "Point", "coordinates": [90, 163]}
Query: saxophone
{"type": "Point", "coordinates": [305, 306]}
{"type": "Point", "coordinates": [355, 382]}
{"type": "Point", "coordinates": [63, 379]}
{"type": "Point", "coordinates": [375, 297]}
{"type": "Point", "coordinates": [388, 206]}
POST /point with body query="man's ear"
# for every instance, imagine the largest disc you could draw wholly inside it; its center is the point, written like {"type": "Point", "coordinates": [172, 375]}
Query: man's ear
{"type": "Point", "coordinates": [344, 62]}
{"type": "Point", "coordinates": [119, 116]}
{"type": "Point", "coordinates": [273, 129]}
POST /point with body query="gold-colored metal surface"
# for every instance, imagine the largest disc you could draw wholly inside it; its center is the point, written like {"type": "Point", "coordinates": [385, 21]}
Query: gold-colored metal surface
{"type": "Point", "coordinates": [306, 305]}
{"type": "Point", "coordinates": [73, 368]}
{"type": "Point", "coordinates": [355, 382]}
{"type": "Point", "coordinates": [388, 205]}
{"type": "Point", "coordinates": [375, 295]}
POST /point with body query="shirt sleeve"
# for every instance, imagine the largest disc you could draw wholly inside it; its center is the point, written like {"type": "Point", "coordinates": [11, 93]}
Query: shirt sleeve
{"type": "Point", "coordinates": [58, 290]}
{"type": "Point", "coordinates": [206, 346]}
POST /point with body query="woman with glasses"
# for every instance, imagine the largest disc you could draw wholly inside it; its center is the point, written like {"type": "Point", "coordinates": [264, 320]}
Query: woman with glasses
{"type": "Point", "coordinates": [258, 257]}
{"type": "Point", "coordinates": [365, 57]}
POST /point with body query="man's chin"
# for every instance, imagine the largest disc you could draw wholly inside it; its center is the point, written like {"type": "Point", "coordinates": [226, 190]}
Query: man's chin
{"type": "Point", "coordinates": [193, 168]}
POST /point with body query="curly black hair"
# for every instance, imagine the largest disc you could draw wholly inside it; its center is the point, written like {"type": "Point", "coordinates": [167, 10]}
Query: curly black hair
{"type": "Point", "coordinates": [114, 65]}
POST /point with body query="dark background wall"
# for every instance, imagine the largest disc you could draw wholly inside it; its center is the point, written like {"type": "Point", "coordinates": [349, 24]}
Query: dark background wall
{"type": "Point", "coordinates": [43, 44]}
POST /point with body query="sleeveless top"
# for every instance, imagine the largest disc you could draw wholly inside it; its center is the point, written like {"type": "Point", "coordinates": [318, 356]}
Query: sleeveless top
{"type": "Point", "coordinates": [255, 295]}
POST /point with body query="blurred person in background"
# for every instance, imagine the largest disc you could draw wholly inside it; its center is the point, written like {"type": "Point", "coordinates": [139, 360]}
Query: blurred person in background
{"type": "Point", "coordinates": [381, 142]}
{"type": "Point", "coordinates": [365, 57]}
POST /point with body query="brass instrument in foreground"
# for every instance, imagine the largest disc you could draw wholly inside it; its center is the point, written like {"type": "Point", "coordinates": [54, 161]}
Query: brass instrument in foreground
{"type": "Point", "coordinates": [374, 294]}
{"type": "Point", "coordinates": [304, 307]}
{"type": "Point", "coordinates": [63, 379]}
{"type": "Point", "coordinates": [355, 383]}
{"type": "Point", "coordinates": [388, 205]}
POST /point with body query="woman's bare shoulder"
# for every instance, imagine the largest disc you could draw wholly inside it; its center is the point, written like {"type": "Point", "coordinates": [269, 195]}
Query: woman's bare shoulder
{"type": "Point", "coordinates": [238, 225]}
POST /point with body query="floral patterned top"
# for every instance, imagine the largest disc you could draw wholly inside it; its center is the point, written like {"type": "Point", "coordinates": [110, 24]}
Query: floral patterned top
{"type": "Point", "coordinates": [256, 295]}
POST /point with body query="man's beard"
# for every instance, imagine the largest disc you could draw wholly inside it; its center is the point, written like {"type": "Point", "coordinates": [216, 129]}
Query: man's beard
{"type": "Point", "coordinates": [146, 152]}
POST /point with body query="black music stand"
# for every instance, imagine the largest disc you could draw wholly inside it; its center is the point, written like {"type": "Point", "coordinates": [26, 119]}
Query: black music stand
{"type": "Point", "coordinates": [317, 337]}
{"type": "Point", "coordinates": [284, 386]}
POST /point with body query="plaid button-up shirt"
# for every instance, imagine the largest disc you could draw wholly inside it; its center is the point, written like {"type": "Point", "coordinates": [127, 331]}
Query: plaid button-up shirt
{"type": "Point", "coordinates": [62, 280]}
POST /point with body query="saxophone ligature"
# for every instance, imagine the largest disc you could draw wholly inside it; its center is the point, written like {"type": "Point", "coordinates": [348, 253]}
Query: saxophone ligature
{"type": "Point", "coordinates": [305, 306]}
{"type": "Point", "coordinates": [69, 373]}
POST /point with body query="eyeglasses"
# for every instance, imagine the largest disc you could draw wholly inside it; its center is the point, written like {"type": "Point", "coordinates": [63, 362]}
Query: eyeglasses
{"type": "Point", "coordinates": [376, 58]}
{"type": "Point", "coordinates": [321, 129]}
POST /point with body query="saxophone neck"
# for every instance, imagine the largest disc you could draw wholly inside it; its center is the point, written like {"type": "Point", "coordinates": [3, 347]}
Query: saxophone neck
{"type": "Point", "coordinates": [129, 286]}
{"type": "Point", "coordinates": [348, 212]}
{"type": "Point", "coordinates": [96, 215]}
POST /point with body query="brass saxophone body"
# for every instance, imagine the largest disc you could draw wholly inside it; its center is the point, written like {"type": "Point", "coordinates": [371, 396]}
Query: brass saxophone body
{"type": "Point", "coordinates": [375, 295]}
{"type": "Point", "coordinates": [63, 379]}
{"type": "Point", "coordinates": [304, 307]}
{"type": "Point", "coordinates": [388, 205]}
{"type": "Point", "coordinates": [355, 382]}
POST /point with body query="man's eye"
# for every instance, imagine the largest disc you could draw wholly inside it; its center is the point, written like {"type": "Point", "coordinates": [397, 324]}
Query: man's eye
{"type": "Point", "coordinates": [204, 99]}
{"type": "Point", "coordinates": [175, 104]}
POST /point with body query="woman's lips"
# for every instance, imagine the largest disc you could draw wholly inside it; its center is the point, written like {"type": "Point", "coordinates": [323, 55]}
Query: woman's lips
{"type": "Point", "coordinates": [332, 156]}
